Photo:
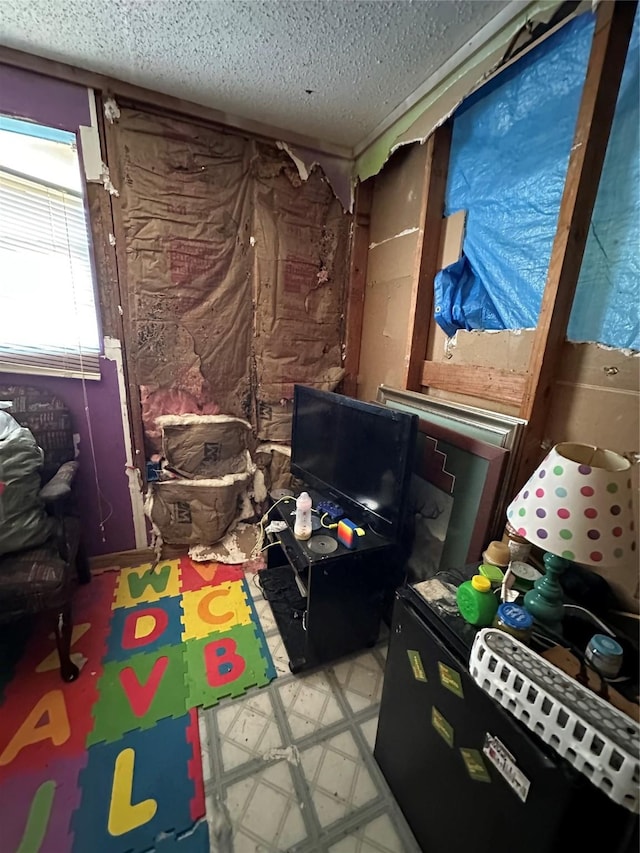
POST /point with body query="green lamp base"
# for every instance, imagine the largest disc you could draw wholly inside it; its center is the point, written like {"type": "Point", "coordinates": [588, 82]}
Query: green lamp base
{"type": "Point", "coordinates": [545, 601]}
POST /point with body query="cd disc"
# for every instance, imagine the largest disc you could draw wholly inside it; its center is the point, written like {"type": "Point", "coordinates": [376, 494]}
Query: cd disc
{"type": "Point", "coordinates": [322, 544]}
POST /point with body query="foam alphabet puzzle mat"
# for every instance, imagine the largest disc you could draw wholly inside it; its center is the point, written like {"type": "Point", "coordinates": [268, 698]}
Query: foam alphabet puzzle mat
{"type": "Point", "coordinates": [112, 761]}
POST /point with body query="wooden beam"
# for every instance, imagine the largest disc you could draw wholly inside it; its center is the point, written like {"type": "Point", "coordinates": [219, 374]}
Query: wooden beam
{"type": "Point", "coordinates": [141, 95]}
{"type": "Point", "coordinates": [359, 254]}
{"type": "Point", "coordinates": [614, 22]}
{"type": "Point", "coordinates": [111, 151]}
{"type": "Point", "coordinates": [489, 383]}
{"type": "Point", "coordinates": [428, 253]}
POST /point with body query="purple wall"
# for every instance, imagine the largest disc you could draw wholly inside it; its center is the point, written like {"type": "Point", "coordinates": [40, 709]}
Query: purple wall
{"type": "Point", "coordinates": [55, 103]}
{"type": "Point", "coordinates": [106, 423]}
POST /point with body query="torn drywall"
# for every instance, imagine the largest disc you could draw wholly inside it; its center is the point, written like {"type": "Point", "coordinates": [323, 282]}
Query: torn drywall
{"type": "Point", "coordinates": [394, 237]}
{"type": "Point", "coordinates": [338, 171]}
{"type": "Point", "coordinates": [419, 122]}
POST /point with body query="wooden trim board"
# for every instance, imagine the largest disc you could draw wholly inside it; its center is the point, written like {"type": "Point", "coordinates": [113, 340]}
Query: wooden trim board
{"type": "Point", "coordinates": [475, 380]}
{"type": "Point", "coordinates": [428, 252]}
{"type": "Point", "coordinates": [359, 256]}
{"type": "Point", "coordinates": [614, 22]}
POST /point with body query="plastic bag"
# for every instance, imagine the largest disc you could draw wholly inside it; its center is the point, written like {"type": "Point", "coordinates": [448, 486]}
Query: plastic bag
{"type": "Point", "coordinates": [23, 520]}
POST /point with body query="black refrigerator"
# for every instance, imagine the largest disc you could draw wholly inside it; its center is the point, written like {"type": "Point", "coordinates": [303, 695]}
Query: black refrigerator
{"type": "Point", "coordinates": [467, 775]}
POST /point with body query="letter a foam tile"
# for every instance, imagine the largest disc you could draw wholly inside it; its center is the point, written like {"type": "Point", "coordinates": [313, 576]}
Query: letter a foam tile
{"type": "Point", "coordinates": [137, 692]}
{"type": "Point", "coordinates": [135, 790]}
{"type": "Point", "coordinates": [224, 665]}
{"type": "Point", "coordinates": [146, 584]}
{"type": "Point", "coordinates": [214, 608]}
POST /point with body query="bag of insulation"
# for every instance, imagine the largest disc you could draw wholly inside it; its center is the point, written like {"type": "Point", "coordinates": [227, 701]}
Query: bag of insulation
{"type": "Point", "coordinates": [23, 520]}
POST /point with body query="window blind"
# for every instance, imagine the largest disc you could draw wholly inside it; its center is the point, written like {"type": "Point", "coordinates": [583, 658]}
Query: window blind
{"type": "Point", "coordinates": [48, 321]}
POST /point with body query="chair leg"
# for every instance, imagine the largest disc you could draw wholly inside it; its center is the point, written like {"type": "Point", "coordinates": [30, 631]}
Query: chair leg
{"type": "Point", "coordinates": [82, 565]}
{"type": "Point", "coordinates": [63, 628]}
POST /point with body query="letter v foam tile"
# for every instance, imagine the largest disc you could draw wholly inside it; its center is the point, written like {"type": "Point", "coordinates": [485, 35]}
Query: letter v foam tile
{"type": "Point", "coordinates": [195, 575]}
{"type": "Point", "coordinates": [135, 693]}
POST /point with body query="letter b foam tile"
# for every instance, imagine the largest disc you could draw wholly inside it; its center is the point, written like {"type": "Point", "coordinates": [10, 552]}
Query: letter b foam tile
{"type": "Point", "coordinates": [224, 665]}
{"type": "Point", "coordinates": [145, 584]}
{"type": "Point", "coordinates": [214, 609]}
{"type": "Point", "coordinates": [137, 692]}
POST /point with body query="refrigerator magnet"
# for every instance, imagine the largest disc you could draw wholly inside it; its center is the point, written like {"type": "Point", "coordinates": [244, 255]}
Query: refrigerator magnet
{"type": "Point", "coordinates": [450, 679]}
{"type": "Point", "coordinates": [475, 765]}
{"type": "Point", "coordinates": [416, 665]}
{"type": "Point", "coordinates": [444, 729]}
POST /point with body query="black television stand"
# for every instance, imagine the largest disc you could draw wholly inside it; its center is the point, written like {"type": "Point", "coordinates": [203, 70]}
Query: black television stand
{"type": "Point", "coordinates": [327, 605]}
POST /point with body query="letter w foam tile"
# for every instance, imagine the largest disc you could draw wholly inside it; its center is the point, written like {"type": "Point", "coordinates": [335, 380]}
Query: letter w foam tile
{"type": "Point", "coordinates": [135, 790]}
{"type": "Point", "coordinates": [146, 584]}
{"type": "Point", "coordinates": [137, 692]}
{"type": "Point", "coordinates": [214, 608]}
{"type": "Point", "coordinates": [144, 628]}
{"type": "Point", "coordinates": [224, 664]}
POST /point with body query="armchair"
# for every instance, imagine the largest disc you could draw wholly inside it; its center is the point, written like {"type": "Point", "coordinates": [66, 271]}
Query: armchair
{"type": "Point", "coordinates": [42, 579]}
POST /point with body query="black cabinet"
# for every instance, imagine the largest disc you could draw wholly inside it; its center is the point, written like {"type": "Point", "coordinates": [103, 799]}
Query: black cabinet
{"type": "Point", "coordinates": [434, 726]}
{"type": "Point", "coordinates": [327, 604]}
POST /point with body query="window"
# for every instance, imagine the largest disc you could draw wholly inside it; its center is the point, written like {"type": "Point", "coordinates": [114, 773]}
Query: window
{"type": "Point", "coordinates": [48, 319]}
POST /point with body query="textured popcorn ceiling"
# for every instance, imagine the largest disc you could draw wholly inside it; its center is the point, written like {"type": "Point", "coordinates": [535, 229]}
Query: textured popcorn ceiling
{"type": "Point", "coordinates": [257, 59]}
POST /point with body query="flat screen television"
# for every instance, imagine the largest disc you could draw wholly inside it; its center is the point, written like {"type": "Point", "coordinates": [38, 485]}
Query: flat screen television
{"type": "Point", "coordinates": [359, 455]}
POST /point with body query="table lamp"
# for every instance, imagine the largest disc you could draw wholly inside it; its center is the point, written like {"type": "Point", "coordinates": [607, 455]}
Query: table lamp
{"type": "Point", "coordinates": [576, 506]}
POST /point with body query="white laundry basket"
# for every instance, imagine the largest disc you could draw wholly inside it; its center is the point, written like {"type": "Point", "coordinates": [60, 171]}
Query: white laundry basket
{"type": "Point", "coordinates": [592, 735]}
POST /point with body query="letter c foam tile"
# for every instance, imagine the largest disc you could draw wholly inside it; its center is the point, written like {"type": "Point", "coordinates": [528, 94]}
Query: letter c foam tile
{"type": "Point", "coordinates": [214, 609]}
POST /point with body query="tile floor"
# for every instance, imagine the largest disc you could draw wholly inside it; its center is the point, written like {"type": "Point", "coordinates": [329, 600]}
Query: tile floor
{"type": "Point", "coordinates": [289, 768]}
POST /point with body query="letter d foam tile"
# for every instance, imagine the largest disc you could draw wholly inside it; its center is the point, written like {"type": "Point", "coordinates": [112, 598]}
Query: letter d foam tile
{"type": "Point", "coordinates": [144, 628]}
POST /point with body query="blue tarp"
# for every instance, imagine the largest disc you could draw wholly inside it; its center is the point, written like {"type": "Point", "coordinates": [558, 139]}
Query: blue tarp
{"type": "Point", "coordinates": [510, 150]}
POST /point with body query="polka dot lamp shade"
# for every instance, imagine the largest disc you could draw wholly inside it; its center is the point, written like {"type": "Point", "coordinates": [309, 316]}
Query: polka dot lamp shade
{"type": "Point", "coordinates": [578, 505]}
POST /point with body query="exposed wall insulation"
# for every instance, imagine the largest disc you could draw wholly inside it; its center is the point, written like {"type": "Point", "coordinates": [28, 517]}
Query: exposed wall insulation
{"type": "Point", "coordinates": [233, 271]}
{"type": "Point", "coordinates": [300, 239]}
{"type": "Point", "coordinates": [186, 214]}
